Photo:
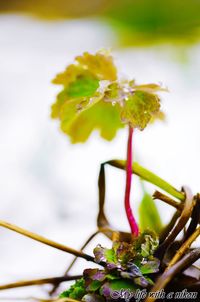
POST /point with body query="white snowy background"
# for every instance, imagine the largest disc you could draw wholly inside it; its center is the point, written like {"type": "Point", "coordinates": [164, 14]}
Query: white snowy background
{"type": "Point", "coordinates": [48, 185]}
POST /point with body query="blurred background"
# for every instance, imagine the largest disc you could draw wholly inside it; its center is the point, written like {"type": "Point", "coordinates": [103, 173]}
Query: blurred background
{"type": "Point", "coordinates": [43, 185]}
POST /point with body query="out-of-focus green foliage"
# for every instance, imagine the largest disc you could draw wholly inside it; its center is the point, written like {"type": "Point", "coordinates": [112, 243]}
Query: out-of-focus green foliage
{"type": "Point", "coordinates": [149, 217]}
{"type": "Point", "coordinates": [93, 98]}
{"type": "Point", "coordinates": [147, 21]}
{"type": "Point", "coordinates": [76, 291]}
{"type": "Point", "coordinates": [136, 21]}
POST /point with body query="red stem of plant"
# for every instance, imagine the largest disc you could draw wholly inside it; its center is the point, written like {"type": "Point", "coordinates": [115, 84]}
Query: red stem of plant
{"type": "Point", "coordinates": [129, 213]}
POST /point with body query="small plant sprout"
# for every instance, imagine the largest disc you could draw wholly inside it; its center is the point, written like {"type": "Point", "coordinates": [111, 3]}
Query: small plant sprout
{"type": "Point", "coordinates": [151, 257]}
{"type": "Point", "coordinates": [94, 98]}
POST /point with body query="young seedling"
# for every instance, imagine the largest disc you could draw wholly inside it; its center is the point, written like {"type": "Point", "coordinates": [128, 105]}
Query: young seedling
{"type": "Point", "coordinates": [93, 97]}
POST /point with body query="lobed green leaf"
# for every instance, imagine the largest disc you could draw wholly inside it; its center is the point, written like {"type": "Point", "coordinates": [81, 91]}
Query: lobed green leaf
{"type": "Point", "coordinates": [93, 98]}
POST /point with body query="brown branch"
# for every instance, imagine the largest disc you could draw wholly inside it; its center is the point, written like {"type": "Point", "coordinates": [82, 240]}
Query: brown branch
{"type": "Point", "coordinates": [46, 241]}
{"type": "Point", "coordinates": [168, 200]}
{"type": "Point", "coordinates": [185, 215]}
{"type": "Point", "coordinates": [183, 249]}
{"type": "Point", "coordinates": [167, 229]}
{"type": "Point", "coordinates": [195, 218]}
{"type": "Point", "coordinates": [82, 248]}
{"type": "Point", "coordinates": [167, 276]}
{"type": "Point", "coordinates": [53, 280]}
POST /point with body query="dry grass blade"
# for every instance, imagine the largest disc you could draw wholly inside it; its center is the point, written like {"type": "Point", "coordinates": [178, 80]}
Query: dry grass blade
{"type": "Point", "coordinates": [53, 280]}
{"type": "Point", "coordinates": [45, 241]}
{"type": "Point", "coordinates": [185, 215]}
{"type": "Point", "coordinates": [102, 221]}
{"type": "Point", "coordinates": [82, 248]}
{"type": "Point", "coordinates": [32, 299]}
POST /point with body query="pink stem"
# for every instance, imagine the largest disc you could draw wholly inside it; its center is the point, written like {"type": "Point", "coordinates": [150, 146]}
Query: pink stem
{"type": "Point", "coordinates": [129, 213]}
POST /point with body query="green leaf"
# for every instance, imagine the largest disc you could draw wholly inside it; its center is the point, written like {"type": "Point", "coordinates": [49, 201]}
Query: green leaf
{"type": "Point", "coordinates": [121, 283]}
{"type": "Point", "coordinates": [147, 243]}
{"type": "Point", "coordinates": [79, 125]}
{"type": "Point", "coordinates": [139, 109]}
{"type": "Point", "coordinates": [110, 255]}
{"type": "Point", "coordinates": [76, 291]}
{"type": "Point", "coordinates": [149, 217]}
{"type": "Point", "coordinates": [150, 267]}
{"type": "Point", "coordinates": [83, 87]}
{"type": "Point", "coordinates": [101, 65]}
{"type": "Point", "coordinates": [111, 277]}
{"type": "Point", "coordinates": [118, 285]}
{"type": "Point", "coordinates": [94, 285]}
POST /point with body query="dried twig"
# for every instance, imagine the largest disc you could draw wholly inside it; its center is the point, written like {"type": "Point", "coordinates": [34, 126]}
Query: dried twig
{"type": "Point", "coordinates": [46, 241]}
{"type": "Point", "coordinates": [168, 200]}
{"type": "Point", "coordinates": [195, 218]}
{"type": "Point", "coordinates": [53, 280]}
{"type": "Point", "coordinates": [166, 231]}
{"type": "Point", "coordinates": [183, 249]}
{"type": "Point", "coordinates": [185, 215]}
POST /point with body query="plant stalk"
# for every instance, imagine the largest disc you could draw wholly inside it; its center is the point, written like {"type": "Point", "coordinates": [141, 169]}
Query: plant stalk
{"type": "Point", "coordinates": [54, 280]}
{"type": "Point", "coordinates": [129, 213]}
{"type": "Point", "coordinates": [184, 248]}
{"type": "Point", "coordinates": [46, 241]}
{"type": "Point", "coordinates": [168, 200]}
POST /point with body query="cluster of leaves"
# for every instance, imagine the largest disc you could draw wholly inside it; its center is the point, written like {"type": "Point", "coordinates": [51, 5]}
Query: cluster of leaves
{"type": "Point", "coordinates": [76, 291]}
{"type": "Point", "coordinates": [93, 97]}
{"type": "Point", "coordinates": [126, 266]}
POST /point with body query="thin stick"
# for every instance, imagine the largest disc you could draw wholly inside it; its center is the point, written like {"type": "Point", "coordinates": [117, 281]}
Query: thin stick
{"type": "Point", "coordinates": [53, 280]}
{"type": "Point", "coordinates": [38, 299]}
{"type": "Point", "coordinates": [168, 200]}
{"type": "Point", "coordinates": [185, 215]}
{"type": "Point", "coordinates": [129, 213]}
{"type": "Point", "coordinates": [46, 241]}
{"type": "Point", "coordinates": [82, 248]}
{"type": "Point", "coordinates": [195, 218]}
{"type": "Point", "coordinates": [183, 249]}
{"type": "Point", "coordinates": [167, 229]}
